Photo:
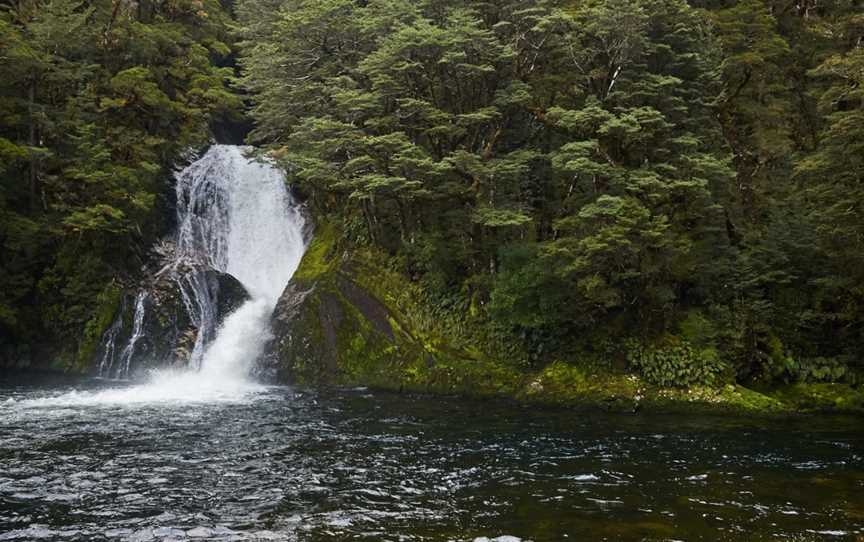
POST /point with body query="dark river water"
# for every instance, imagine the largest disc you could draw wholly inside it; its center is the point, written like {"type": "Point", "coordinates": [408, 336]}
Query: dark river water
{"type": "Point", "coordinates": [78, 462]}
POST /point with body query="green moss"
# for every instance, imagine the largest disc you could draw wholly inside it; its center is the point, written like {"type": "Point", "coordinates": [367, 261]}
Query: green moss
{"type": "Point", "coordinates": [363, 354]}
{"type": "Point", "coordinates": [104, 310]}
{"type": "Point", "coordinates": [568, 385]}
{"type": "Point", "coordinates": [729, 398]}
{"type": "Point", "coordinates": [319, 259]}
{"type": "Point", "coordinates": [475, 376]}
{"type": "Point", "coordinates": [750, 400]}
{"type": "Point", "coordinates": [412, 362]}
{"type": "Point", "coordinates": [413, 356]}
{"type": "Point", "coordinates": [565, 384]}
{"type": "Point", "coordinates": [820, 397]}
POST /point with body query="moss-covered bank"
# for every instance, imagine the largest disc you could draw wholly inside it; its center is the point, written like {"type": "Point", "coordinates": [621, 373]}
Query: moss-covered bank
{"type": "Point", "coordinates": [346, 319]}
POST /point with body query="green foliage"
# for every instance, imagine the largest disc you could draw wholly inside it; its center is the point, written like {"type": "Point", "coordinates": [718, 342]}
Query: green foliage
{"type": "Point", "coordinates": [676, 363]}
{"type": "Point", "coordinates": [756, 99]}
{"type": "Point", "coordinates": [321, 256]}
{"type": "Point", "coordinates": [98, 102]}
{"type": "Point", "coordinates": [527, 292]}
{"type": "Point", "coordinates": [698, 330]}
{"type": "Point", "coordinates": [106, 305]}
{"type": "Point", "coordinates": [781, 366]}
{"type": "Point", "coordinates": [553, 175]}
{"type": "Point", "coordinates": [569, 172]}
{"type": "Point", "coordinates": [822, 370]}
{"type": "Point", "coordinates": [821, 397]}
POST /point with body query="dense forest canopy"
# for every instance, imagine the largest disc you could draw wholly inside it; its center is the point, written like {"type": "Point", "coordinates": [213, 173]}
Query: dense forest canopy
{"type": "Point", "coordinates": [98, 100]}
{"type": "Point", "coordinates": [675, 184]}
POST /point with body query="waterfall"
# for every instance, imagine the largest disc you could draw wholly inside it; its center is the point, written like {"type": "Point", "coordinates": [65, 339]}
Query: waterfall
{"type": "Point", "coordinates": [236, 216]}
{"type": "Point", "coordinates": [137, 331]}
{"type": "Point", "coordinates": [238, 212]}
{"type": "Point", "coordinates": [109, 343]}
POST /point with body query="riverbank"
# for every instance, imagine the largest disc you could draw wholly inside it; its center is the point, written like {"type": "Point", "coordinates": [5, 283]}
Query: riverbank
{"type": "Point", "coordinates": [347, 319]}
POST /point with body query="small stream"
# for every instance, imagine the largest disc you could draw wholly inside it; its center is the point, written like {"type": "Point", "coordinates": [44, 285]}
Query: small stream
{"type": "Point", "coordinates": [81, 460]}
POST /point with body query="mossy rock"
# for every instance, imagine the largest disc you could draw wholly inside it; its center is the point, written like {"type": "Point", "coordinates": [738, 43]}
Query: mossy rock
{"type": "Point", "coordinates": [820, 397]}
{"type": "Point", "coordinates": [169, 330]}
{"type": "Point", "coordinates": [564, 384]}
{"type": "Point", "coordinates": [108, 305]}
{"type": "Point", "coordinates": [731, 398]}
{"type": "Point", "coordinates": [331, 329]}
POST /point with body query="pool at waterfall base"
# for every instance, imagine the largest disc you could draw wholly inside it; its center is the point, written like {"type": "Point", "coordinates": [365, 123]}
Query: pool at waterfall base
{"type": "Point", "coordinates": [90, 459]}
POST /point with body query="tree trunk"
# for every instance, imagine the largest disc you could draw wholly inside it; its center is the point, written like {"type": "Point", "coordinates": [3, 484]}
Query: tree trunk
{"type": "Point", "coordinates": [32, 142]}
{"type": "Point", "coordinates": [403, 220]}
{"type": "Point", "coordinates": [367, 214]}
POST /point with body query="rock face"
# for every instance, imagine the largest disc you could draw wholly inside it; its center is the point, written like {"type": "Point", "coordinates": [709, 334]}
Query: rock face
{"type": "Point", "coordinates": [171, 328]}
{"type": "Point", "coordinates": [330, 330]}
{"type": "Point", "coordinates": [346, 320]}
{"type": "Point", "coordinates": [159, 325]}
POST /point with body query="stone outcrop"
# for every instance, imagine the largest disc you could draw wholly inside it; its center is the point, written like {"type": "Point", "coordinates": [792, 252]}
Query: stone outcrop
{"type": "Point", "coordinates": [168, 327]}
{"type": "Point", "coordinates": [330, 330]}
{"type": "Point", "coordinates": [170, 331]}
{"type": "Point", "coordinates": [346, 320]}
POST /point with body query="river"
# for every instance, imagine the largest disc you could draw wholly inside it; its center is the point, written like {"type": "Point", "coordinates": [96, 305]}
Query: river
{"type": "Point", "coordinates": [98, 460]}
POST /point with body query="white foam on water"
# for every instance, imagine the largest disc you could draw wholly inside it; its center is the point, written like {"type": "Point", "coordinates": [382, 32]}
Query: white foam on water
{"type": "Point", "coordinates": [163, 386]}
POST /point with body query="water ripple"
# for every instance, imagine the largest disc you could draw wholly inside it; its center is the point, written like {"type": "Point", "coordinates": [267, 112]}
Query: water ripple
{"type": "Point", "coordinates": [79, 463]}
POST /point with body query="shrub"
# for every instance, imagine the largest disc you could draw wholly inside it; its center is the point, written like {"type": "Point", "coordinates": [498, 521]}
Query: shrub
{"type": "Point", "coordinates": [781, 365]}
{"type": "Point", "coordinates": [676, 363]}
{"type": "Point", "coordinates": [822, 370]}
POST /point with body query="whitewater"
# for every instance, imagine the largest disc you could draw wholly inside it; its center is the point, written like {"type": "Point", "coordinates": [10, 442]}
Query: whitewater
{"type": "Point", "coordinates": [237, 214]}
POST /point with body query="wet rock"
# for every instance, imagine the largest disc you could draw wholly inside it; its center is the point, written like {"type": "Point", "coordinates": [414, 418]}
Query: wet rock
{"type": "Point", "coordinates": [169, 328]}
{"type": "Point", "coordinates": [328, 329]}
{"type": "Point", "coordinates": [341, 321]}
{"type": "Point", "coordinates": [172, 329]}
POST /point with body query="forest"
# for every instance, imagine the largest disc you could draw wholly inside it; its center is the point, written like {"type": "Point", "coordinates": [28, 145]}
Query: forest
{"type": "Point", "coordinates": [678, 185]}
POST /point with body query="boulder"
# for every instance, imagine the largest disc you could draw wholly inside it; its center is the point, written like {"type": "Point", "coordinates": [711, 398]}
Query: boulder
{"type": "Point", "coordinates": [170, 324]}
{"type": "Point", "coordinates": [328, 329]}
{"type": "Point", "coordinates": [331, 331]}
{"type": "Point", "coordinates": [346, 320]}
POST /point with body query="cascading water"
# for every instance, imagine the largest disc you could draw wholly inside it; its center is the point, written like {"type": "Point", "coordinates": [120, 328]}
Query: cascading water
{"type": "Point", "coordinates": [234, 215]}
{"type": "Point", "coordinates": [109, 343]}
{"type": "Point", "coordinates": [137, 329]}
{"type": "Point", "coordinates": [238, 212]}
{"type": "Point", "coordinates": [239, 215]}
